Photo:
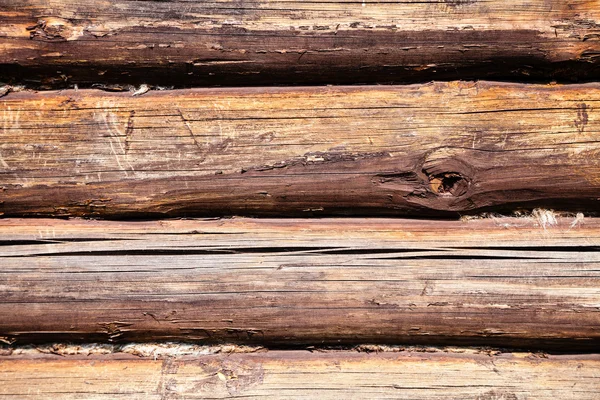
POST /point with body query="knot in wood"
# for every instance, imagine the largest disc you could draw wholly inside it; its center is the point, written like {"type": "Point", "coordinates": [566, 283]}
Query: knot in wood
{"type": "Point", "coordinates": [449, 184]}
{"type": "Point", "coordinates": [448, 174]}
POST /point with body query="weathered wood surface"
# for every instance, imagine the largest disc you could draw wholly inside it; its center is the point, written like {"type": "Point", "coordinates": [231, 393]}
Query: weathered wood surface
{"type": "Point", "coordinates": [300, 374]}
{"type": "Point", "coordinates": [507, 282]}
{"type": "Point", "coordinates": [235, 42]}
{"type": "Point", "coordinates": [438, 149]}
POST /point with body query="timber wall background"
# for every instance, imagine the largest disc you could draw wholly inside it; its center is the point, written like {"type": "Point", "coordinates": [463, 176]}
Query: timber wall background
{"type": "Point", "coordinates": [299, 199]}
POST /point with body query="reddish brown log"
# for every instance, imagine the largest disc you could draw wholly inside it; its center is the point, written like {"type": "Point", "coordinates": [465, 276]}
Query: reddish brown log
{"type": "Point", "coordinates": [406, 375]}
{"type": "Point", "coordinates": [231, 42]}
{"type": "Point", "coordinates": [441, 149]}
{"type": "Point", "coordinates": [521, 282]}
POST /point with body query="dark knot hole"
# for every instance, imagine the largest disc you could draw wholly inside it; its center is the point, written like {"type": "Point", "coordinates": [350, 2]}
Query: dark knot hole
{"type": "Point", "coordinates": [449, 184]}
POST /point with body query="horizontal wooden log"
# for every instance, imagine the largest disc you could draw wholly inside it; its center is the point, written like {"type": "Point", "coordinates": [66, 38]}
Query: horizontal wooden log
{"type": "Point", "coordinates": [235, 42]}
{"type": "Point", "coordinates": [300, 374]}
{"type": "Point", "coordinates": [438, 149]}
{"type": "Point", "coordinates": [509, 282]}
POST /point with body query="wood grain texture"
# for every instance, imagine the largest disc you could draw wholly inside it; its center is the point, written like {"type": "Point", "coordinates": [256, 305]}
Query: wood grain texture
{"type": "Point", "coordinates": [508, 282]}
{"type": "Point", "coordinates": [304, 375]}
{"type": "Point", "coordinates": [439, 149]}
{"type": "Point", "coordinates": [50, 43]}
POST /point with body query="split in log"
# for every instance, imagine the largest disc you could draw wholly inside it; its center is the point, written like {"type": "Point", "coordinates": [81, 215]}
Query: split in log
{"type": "Point", "coordinates": [439, 149]}
{"type": "Point", "coordinates": [301, 374]}
{"type": "Point", "coordinates": [59, 43]}
{"type": "Point", "coordinates": [515, 282]}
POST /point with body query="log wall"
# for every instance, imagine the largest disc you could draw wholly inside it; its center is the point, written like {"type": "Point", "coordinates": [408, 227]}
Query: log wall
{"type": "Point", "coordinates": [130, 130]}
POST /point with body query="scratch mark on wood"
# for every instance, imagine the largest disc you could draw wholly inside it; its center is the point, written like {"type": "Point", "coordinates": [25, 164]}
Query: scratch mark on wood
{"type": "Point", "coordinates": [582, 117]}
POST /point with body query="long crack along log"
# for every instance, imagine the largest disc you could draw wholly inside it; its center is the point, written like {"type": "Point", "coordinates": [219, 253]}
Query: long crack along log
{"type": "Point", "coordinates": [300, 374]}
{"type": "Point", "coordinates": [439, 149]}
{"type": "Point", "coordinates": [301, 282]}
{"type": "Point", "coordinates": [59, 43]}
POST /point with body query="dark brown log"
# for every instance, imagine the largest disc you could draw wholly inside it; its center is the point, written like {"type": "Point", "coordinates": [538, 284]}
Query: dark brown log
{"type": "Point", "coordinates": [431, 375]}
{"type": "Point", "coordinates": [439, 149]}
{"type": "Point", "coordinates": [521, 282]}
{"type": "Point", "coordinates": [237, 42]}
